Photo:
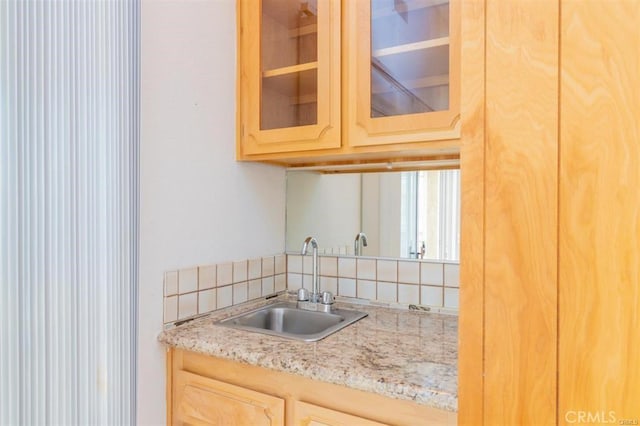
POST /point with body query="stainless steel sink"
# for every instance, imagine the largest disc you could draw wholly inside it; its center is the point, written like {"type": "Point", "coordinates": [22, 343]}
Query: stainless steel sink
{"type": "Point", "coordinates": [286, 320]}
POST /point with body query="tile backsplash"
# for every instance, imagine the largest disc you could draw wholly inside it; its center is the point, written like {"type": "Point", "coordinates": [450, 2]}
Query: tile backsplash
{"type": "Point", "coordinates": [405, 282]}
{"type": "Point", "coordinates": [197, 290]}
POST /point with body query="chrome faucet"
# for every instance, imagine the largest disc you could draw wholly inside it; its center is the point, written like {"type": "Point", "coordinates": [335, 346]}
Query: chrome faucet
{"type": "Point", "coordinates": [360, 241]}
{"type": "Point", "coordinates": [315, 292]}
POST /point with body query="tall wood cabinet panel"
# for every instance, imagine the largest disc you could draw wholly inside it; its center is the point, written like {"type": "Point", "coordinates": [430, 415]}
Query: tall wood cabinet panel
{"type": "Point", "coordinates": [471, 326]}
{"type": "Point", "coordinates": [550, 278]}
{"type": "Point", "coordinates": [521, 212]}
{"type": "Point", "coordinates": [599, 258]}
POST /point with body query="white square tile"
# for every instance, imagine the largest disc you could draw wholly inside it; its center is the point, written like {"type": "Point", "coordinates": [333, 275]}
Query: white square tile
{"type": "Point", "coordinates": [206, 301]}
{"type": "Point", "coordinates": [329, 284]}
{"type": "Point", "coordinates": [329, 266]}
{"type": "Point", "coordinates": [268, 286]}
{"type": "Point", "coordinates": [409, 272]}
{"type": "Point", "coordinates": [451, 275]}
{"type": "Point", "coordinates": [225, 274]}
{"type": "Point", "coordinates": [206, 277]}
{"type": "Point", "coordinates": [224, 297]}
{"type": "Point", "coordinates": [187, 305]}
{"type": "Point", "coordinates": [346, 267]}
{"type": "Point", "coordinates": [409, 294]}
{"type": "Point", "coordinates": [294, 263]}
{"type": "Point", "coordinates": [170, 283]}
{"type": "Point", "coordinates": [294, 281]}
{"type": "Point", "coordinates": [255, 289]}
{"type": "Point", "coordinates": [255, 269]}
{"type": "Point", "coordinates": [431, 296]}
{"type": "Point", "coordinates": [280, 282]}
{"type": "Point", "coordinates": [268, 266]}
{"type": "Point", "coordinates": [240, 293]}
{"type": "Point", "coordinates": [280, 264]}
{"type": "Point", "coordinates": [170, 309]}
{"type": "Point", "coordinates": [387, 270]}
{"type": "Point", "coordinates": [366, 269]}
{"type": "Point", "coordinates": [387, 292]}
{"type": "Point", "coordinates": [347, 287]}
{"type": "Point", "coordinates": [431, 273]}
{"type": "Point", "coordinates": [366, 290]}
{"type": "Point", "coordinates": [451, 298]}
{"type": "Point", "coordinates": [187, 280]}
{"type": "Point", "coordinates": [239, 271]}
{"type": "Point", "coordinates": [307, 264]}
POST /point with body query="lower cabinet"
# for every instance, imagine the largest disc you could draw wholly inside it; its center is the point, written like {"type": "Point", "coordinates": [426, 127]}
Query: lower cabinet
{"type": "Point", "coordinates": [203, 390]}
{"type": "Point", "coordinates": [200, 400]}
{"type": "Point", "coordinates": [313, 415]}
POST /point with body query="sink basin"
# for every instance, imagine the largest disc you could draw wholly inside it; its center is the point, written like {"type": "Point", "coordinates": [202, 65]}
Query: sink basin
{"type": "Point", "coordinates": [286, 320]}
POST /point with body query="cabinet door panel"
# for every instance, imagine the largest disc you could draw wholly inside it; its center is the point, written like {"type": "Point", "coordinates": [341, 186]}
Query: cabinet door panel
{"type": "Point", "coordinates": [313, 415]}
{"type": "Point", "coordinates": [199, 401]}
{"type": "Point", "coordinates": [403, 71]}
{"type": "Point", "coordinates": [289, 75]}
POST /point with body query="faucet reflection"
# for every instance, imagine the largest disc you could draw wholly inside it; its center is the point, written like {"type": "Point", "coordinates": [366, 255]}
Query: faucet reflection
{"type": "Point", "coordinates": [359, 242]}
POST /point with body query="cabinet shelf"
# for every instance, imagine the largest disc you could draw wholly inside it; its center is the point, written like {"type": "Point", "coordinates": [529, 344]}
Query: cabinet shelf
{"type": "Point", "coordinates": [297, 82]}
{"type": "Point", "coordinates": [303, 31]}
{"type": "Point", "coordinates": [293, 69]}
{"type": "Point", "coordinates": [411, 47]}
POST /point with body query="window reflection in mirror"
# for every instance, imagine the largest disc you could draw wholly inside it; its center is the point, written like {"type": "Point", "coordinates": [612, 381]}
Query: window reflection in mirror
{"type": "Point", "coordinates": [403, 214]}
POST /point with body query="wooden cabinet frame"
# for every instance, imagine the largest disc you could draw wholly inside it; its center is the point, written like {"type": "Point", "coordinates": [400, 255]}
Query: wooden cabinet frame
{"type": "Point", "coordinates": [292, 388]}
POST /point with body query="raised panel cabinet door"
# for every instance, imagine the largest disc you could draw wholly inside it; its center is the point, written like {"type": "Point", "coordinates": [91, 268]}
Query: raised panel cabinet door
{"type": "Point", "coordinates": [402, 65]}
{"type": "Point", "coordinates": [289, 76]}
{"type": "Point", "coordinates": [199, 400]}
{"type": "Point", "coordinates": [306, 414]}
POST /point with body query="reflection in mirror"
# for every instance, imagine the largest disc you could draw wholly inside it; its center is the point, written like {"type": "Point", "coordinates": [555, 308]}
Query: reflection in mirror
{"type": "Point", "coordinates": [403, 214]}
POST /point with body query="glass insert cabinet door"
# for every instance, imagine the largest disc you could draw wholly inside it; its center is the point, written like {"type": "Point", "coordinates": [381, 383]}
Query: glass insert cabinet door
{"type": "Point", "coordinates": [290, 75]}
{"type": "Point", "coordinates": [407, 74]}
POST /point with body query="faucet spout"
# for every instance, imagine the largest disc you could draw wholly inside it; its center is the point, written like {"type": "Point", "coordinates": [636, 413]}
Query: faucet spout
{"type": "Point", "coordinates": [315, 292]}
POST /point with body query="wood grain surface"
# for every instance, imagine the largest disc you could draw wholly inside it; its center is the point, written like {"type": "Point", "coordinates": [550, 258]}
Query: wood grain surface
{"type": "Point", "coordinates": [521, 212]}
{"type": "Point", "coordinates": [471, 328]}
{"type": "Point", "coordinates": [599, 269]}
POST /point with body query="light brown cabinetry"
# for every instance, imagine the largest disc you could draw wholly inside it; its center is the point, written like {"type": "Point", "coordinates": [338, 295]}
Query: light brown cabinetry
{"type": "Point", "coordinates": [207, 390]}
{"type": "Point", "coordinates": [313, 415]}
{"type": "Point", "coordinates": [200, 400]}
{"type": "Point", "coordinates": [550, 278]}
{"type": "Point", "coordinates": [335, 81]}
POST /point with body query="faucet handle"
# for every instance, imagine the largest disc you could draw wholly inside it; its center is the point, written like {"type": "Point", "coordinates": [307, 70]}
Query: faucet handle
{"type": "Point", "coordinates": [327, 298]}
{"type": "Point", "coordinates": [303, 295]}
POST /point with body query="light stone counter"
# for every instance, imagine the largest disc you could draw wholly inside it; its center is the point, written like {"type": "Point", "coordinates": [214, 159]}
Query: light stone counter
{"type": "Point", "coordinates": [401, 354]}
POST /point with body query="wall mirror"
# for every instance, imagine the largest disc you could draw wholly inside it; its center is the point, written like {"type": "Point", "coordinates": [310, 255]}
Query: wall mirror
{"type": "Point", "coordinates": [410, 215]}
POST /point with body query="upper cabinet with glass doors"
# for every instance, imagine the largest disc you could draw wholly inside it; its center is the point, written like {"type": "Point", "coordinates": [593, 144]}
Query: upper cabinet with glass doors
{"type": "Point", "coordinates": [289, 75]}
{"type": "Point", "coordinates": [403, 74]}
{"type": "Point", "coordinates": [331, 78]}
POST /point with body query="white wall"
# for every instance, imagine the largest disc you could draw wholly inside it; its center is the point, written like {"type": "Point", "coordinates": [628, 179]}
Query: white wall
{"type": "Point", "coordinates": [198, 205]}
{"type": "Point", "coordinates": [325, 206]}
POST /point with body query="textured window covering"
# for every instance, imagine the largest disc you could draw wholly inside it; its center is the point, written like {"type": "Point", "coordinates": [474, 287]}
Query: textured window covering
{"type": "Point", "coordinates": [69, 131]}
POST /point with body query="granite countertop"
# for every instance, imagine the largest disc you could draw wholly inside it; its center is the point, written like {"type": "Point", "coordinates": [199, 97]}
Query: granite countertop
{"type": "Point", "coordinates": [399, 353]}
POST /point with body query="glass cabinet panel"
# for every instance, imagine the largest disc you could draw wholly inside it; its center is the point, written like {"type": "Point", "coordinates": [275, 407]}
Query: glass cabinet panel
{"type": "Point", "coordinates": [409, 57]}
{"type": "Point", "coordinates": [288, 63]}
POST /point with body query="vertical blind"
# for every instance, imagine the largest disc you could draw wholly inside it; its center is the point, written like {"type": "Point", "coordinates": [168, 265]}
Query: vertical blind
{"type": "Point", "coordinates": [69, 99]}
